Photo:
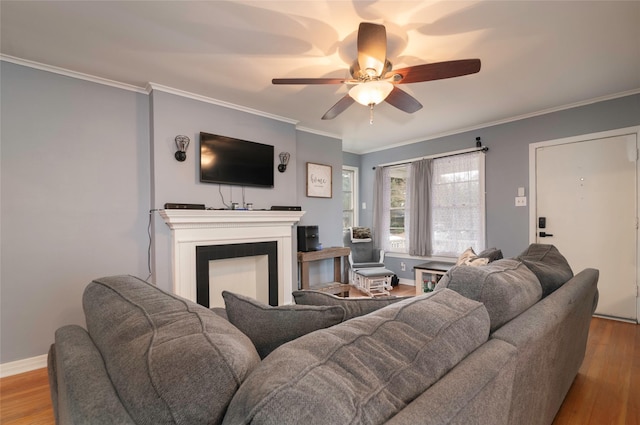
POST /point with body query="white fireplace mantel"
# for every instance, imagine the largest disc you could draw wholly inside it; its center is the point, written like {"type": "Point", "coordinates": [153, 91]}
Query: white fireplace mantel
{"type": "Point", "coordinates": [192, 228]}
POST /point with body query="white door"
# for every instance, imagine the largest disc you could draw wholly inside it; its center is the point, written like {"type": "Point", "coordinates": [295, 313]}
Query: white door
{"type": "Point", "coordinates": [586, 192]}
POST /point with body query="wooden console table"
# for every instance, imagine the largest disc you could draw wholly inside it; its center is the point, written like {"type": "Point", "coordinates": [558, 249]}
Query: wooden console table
{"type": "Point", "coordinates": [340, 256]}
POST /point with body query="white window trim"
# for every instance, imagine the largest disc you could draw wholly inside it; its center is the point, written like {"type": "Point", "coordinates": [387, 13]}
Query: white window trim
{"type": "Point", "coordinates": [356, 191]}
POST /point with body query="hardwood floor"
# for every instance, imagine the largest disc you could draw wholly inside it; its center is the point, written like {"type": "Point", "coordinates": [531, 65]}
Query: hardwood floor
{"type": "Point", "coordinates": [25, 399]}
{"type": "Point", "coordinates": [605, 392]}
{"type": "Point", "coordinates": [607, 388]}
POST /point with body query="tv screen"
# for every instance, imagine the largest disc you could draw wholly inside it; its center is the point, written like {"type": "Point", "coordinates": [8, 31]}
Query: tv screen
{"type": "Point", "coordinates": [227, 160]}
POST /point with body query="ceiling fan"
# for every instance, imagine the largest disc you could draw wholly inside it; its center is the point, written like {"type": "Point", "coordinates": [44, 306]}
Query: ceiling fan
{"type": "Point", "coordinates": [373, 79]}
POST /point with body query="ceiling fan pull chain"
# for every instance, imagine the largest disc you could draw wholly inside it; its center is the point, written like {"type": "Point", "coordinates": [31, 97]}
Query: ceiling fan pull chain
{"type": "Point", "coordinates": [371, 113]}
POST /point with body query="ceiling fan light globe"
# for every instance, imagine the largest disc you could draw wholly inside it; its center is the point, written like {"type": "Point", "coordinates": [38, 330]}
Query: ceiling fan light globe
{"type": "Point", "coordinates": [371, 92]}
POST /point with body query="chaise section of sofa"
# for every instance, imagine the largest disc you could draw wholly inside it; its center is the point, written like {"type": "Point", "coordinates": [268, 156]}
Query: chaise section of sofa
{"type": "Point", "coordinates": [147, 357]}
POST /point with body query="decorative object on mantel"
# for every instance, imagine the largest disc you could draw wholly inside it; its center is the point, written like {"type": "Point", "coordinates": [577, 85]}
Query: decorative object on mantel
{"type": "Point", "coordinates": [319, 184]}
{"type": "Point", "coordinates": [284, 160]}
{"type": "Point", "coordinates": [182, 143]}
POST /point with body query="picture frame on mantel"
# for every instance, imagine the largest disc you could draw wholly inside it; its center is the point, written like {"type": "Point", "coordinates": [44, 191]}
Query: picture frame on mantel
{"type": "Point", "coordinates": [319, 184]}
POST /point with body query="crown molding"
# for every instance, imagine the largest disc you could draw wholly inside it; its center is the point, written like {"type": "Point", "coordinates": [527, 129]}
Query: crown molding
{"type": "Point", "coordinates": [319, 133]}
{"type": "Point", "coordinates": [73, 74]}
{"type": "Point", "coordinates": [145, 90]}
{"type": "Point", "coordinates": [506, 120]}
{"type": "Point", "coordinates": [159, 87]}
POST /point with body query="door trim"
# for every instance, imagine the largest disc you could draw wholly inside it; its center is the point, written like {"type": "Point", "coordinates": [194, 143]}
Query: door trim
{"type": "Point", "coordinates": [575, 139]}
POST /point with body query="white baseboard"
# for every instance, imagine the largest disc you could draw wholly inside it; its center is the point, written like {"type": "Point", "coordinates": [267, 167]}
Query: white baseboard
{"type": "Point", "coordinates": [409, 282]}
{"type": "Point", "coordinates": [24, 365]}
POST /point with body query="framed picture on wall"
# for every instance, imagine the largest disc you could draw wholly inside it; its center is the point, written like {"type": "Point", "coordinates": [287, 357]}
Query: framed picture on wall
{"type": "Point", "coordinates": [319, 180]}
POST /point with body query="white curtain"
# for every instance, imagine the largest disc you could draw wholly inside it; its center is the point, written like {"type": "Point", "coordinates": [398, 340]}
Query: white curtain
{"type": "Point", "coordinates": [457, 204]}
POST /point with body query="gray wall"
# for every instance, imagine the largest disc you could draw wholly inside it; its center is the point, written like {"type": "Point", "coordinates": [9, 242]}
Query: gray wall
{"type": "Point", "coordinates": [507, 164]}
{"type": "Point", "coordinates": [83, 164]}
{"type": "Point", "coordinates": [74, 199]}
{"type": "Point", "coordinates": [174, 181]}
{"type": "Point", "coordinates": [326, 213]}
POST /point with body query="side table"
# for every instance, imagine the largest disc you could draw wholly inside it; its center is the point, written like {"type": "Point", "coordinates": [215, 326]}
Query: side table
{"type": "Point", "coordinates": [436, 269]}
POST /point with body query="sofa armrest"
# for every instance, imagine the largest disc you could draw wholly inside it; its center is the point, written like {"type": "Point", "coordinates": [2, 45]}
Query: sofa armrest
{"type": "Point", "coordinates": [84, 393]}
{"type": "Point", "coordinates": [551, 339]}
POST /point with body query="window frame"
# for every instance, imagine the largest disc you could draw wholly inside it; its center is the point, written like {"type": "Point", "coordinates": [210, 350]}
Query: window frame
{"type": "Point", "coordinates": [354, 193]}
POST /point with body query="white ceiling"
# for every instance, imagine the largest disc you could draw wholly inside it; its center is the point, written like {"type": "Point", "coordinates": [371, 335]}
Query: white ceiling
{"type": "Point", "coordinates": [536, 55]}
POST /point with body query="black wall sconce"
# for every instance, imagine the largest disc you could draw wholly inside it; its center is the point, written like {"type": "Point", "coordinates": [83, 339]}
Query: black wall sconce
{"type": "Point", "coordinates": [284, 160]}
{"type": "Point", "coordinates": [182, 143]}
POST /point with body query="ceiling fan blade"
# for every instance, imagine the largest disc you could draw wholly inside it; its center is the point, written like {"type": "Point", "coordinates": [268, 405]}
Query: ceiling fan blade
{"type": "Point", "coordinates": [434, 71]}
{"type": "Point", "coordinates": [339, 107]}
{"type": "Point", "coordinates": [403, 101]}
{"type": "Point", "coordinates": [309, 81]}
{"type": "Point", "coordinates": [372, 47]}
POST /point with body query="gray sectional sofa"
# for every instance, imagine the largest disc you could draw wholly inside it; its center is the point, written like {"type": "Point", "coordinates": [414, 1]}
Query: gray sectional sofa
{"type": "Point", "coordinates": [486, 347]}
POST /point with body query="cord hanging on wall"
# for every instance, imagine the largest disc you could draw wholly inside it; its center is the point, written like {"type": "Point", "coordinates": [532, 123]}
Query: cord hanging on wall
{"type": "Point", "coordinates": [182, 143]}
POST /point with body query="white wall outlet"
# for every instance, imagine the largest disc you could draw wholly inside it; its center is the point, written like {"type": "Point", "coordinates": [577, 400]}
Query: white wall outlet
{"type": "Point", "coordinates": [403, 267]}
{"type": "Point", "coordinates": [364, 205]}
{"type": "Point", "coordinates": [521, 201]}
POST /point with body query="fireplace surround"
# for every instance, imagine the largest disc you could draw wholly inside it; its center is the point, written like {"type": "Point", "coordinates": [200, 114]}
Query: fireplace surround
{"type": "Point", "coordinates": [224, 230]}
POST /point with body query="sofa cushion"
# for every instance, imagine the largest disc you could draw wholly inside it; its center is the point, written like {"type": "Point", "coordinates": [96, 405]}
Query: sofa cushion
{"type": "Point", "coordinates": [270, 327]}
{"type": "Point", "coordinates": [363, 370]}
{"type": "Point", "coordinates": [169, 359]}
{"type": "Point", "coordinates": [546, 262]}
{"type": "Point", "coordinates": [353, 307]}
{"type": "Point", "coordinates": [506, 287]}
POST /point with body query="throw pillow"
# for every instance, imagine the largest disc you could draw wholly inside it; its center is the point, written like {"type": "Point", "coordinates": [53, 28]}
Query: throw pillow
{"type": "Point", "coordinates": [361, 232]}
{"type": "Point", "coordinates": [546, 262]}
{"type": "Point", "coordinates": [269, 327]}
{"type": "Point", "coordinates": [353, 307]}
{"type": "Point", "coordinates": [469, 258]}
{"type": "Point", "coordinates": [492, 254]}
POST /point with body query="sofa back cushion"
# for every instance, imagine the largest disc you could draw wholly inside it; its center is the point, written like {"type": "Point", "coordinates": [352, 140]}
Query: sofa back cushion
{"type": "Point", "coordinates": [506, 288]}
{"type": "Point", "coordinates": [546, 262]}
{"type": "Point", "coordinates": [363, 370]}
{"type": "Point", "coordinates": [170, 360]}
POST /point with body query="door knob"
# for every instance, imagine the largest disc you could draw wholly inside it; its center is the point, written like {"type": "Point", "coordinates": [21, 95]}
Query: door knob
{"type": "Point", "coordinates": [545, 235]}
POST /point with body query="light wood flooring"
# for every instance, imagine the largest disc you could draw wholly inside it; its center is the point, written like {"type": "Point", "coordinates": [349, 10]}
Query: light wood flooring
{"type": "Point", "coordinates": [605, 392]}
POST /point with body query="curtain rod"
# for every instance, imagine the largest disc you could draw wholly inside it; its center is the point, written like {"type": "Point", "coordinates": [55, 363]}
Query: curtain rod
{"type": "Point", "coordinates": [454, 153]}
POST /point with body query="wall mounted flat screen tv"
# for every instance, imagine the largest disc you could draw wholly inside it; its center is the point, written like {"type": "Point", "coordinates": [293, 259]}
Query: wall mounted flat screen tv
{"type": "Point", "coordinates": [226, 160]}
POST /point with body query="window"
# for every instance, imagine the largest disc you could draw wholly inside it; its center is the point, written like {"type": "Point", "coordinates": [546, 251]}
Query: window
{"type": "Point", "coordinates": [349, 196]}
{"type": "Point", "coordinates": [456, 205]}
{"type": "Point", "coordinates": [398, 214]}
